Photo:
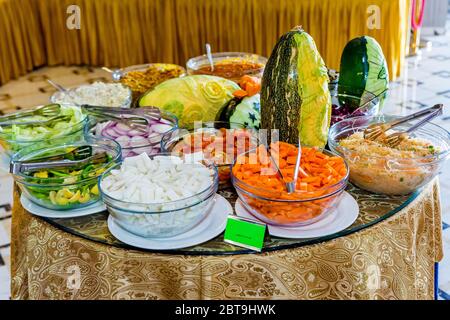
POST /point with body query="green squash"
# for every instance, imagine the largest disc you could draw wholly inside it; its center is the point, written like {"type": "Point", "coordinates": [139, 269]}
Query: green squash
{"type": "Point", "coordinates": [244, 111]}
{"type": "Point", "coordinates": [363, 72]}
{"type": "Point", "coordinates": [294, 92]}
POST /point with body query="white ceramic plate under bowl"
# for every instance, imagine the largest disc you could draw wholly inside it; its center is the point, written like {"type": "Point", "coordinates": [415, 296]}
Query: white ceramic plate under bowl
{"type": "Point", "coordinates": [37, 210]}
{"type": "Point", "coordinates": [209, 228]}
{"type": "Point", "coordinates": [345, 214]}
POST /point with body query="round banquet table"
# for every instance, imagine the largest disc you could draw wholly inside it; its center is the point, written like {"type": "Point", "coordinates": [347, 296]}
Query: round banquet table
{"type": "Point", "coordinates": [389, 252]}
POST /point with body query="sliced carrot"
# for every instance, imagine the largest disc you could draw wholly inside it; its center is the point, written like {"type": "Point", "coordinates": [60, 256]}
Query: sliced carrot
{"type": "Point", "coordinates": [318, 171]}
{"type": "Point", "coordinates": [240, 93]}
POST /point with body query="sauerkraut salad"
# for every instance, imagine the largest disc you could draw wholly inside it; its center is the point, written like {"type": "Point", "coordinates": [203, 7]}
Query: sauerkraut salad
{"type": "Point", "coordinates": [382, 169]}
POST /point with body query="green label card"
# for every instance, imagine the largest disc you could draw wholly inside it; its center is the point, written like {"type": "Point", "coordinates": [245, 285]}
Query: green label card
{"type": "Point", "coordinates": [245, 233]}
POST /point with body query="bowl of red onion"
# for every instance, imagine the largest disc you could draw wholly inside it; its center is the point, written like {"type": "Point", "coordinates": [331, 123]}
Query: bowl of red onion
{"type": "Point", "coordinates": [134, 142]}
{"type": "Point", "coordinates": [347, 106]}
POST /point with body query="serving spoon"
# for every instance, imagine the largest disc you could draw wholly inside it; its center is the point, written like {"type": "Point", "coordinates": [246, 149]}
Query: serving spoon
{"type": "Point", "coordinates": [209, 55]}
{"type": "Point", "coordinates": [116, 74]}
{"type": "Point", "coordinates": [57, 86]}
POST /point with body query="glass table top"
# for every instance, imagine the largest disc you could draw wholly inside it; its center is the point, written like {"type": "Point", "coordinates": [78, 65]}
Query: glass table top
{"type": "Point", "coordinates": [373, 208]}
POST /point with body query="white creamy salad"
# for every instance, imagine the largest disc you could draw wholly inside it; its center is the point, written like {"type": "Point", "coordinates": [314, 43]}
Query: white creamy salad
{"type": "Point", "coordinates": [96, 94]}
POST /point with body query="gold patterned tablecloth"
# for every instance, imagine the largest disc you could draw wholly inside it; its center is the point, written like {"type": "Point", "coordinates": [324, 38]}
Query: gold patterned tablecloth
{"type": "Point", "coordinates": [394, 259]}
{"type": "Point", "coordinates": [118, 33]}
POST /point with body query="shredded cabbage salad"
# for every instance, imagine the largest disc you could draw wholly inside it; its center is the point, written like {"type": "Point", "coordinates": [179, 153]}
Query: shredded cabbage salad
{"type": "Point", "coordinates": [36, 132]}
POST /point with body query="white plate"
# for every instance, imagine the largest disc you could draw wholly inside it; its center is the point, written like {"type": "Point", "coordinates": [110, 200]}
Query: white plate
{"type": "Point", "coordinates": [341, 218]}
{"type": "Point", "coordinates": [209, 228]}
{"type": "Point", "coordinates": [37, 210]}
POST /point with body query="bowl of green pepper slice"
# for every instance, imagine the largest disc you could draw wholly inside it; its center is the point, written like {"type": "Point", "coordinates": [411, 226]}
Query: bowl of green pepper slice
{"type": "Point", "coordinates": [69, 187]}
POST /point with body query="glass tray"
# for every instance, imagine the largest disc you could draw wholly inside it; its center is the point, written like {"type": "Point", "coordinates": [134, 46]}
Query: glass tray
{"type": "Point", "coordinates": [373, 209]}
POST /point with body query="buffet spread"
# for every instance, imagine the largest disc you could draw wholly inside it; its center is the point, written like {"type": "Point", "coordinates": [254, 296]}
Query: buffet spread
{"type": "Point", "coordinates": [285, 134]}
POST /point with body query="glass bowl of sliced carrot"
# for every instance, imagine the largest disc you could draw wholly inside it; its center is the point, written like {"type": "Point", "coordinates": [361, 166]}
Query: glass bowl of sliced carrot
{"type": "Point", "coordinates": [217, 141]}
{"type": "Point", "coordinates": [322, 179]}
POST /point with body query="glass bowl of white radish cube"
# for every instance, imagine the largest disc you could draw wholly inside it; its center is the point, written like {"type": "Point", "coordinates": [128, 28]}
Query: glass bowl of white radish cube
{"type": "Point", "coordinates": [161, 195]}
{"type": "Point", "coordinates": [134, 142]}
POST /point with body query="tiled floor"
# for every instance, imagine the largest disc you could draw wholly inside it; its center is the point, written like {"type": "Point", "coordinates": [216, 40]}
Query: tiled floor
{"type": "Point", "coordinates": [426, 81]}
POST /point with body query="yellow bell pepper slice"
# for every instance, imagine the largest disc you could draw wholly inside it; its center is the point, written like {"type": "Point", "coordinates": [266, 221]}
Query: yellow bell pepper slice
{"type": "Point", "coordinates": [94, 190]}
{"type": "Point", "coordinates": [41, 174]}
{"type": "Point", "coordinates": [84, 198]}
{"type": "Point", "coordinates": [66, 193]}
{"type": "Point", "coordinates": [75, 197]}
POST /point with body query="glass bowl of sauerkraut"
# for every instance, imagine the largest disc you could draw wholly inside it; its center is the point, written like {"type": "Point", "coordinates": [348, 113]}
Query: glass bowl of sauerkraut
{"type": "Point", "coordinates": [381, 169]}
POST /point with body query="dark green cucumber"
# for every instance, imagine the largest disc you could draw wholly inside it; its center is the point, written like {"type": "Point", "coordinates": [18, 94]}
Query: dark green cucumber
{"type": "Point", "coordinates": [363, 72]}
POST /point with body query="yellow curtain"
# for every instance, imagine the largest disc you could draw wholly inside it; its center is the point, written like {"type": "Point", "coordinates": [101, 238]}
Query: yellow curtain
{"type": "Point", "coordinates": [21, 41]}
{"type": "Point", "coordinates": [126, 32]}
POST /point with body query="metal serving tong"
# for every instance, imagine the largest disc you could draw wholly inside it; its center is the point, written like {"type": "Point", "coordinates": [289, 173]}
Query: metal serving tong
{"type": "Point", "coordinates": [135, 120]}
{"type": "Point", "coordinates": [275, 164]}
{"type": "Point", "coordinates": [290, 186]}
{"type": "Point", "coordinates": [50, 110]}
{"type": "Point", "coordinates": [396, 138]}
{"type": "Point", "coordinates": [152, 113]}
{"type": "Point", "coordinates": [77, 157]}
{"type": "Point", "coordinates": [37, 123]}
{"type": "Point", "coordinates": [377, 130]}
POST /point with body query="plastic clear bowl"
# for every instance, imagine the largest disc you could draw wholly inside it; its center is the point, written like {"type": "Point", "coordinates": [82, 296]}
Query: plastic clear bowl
{"type": "Point", "coordinates": [194, 65]}
{"type": "Point", "coordinates": [387, 175]}
{"type": "Point", "coordinates": [172, 140]}
{"type": "Point", "coordinates": [38, 190]}
{"type": "Point", "coordinates": [162, 220]}
{"type": "Point", "coordinates": [10, 145]}
{"type": "Point", "coordinates": [151, 146]}
{"type": "Point", "coordinates": [311, 206]}
{"type": "Point", "coordinates": [58, 96]}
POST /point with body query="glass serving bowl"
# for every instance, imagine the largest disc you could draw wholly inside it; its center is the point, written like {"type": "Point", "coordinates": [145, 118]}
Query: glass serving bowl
{"type": "Point", "coordinates": [79, 96]}
{"type": "Point", "coordinates": [241, 64]}
{"type": "Point", "coordinates": [131, 142]}
{"type": "Point", "coordinates": [161, 220]}
{"type": "Point", "coordinates": [302, 208]}
{"type": "Point", "coordinates": [346, 106]}
{"type": "Point", "coordinates": [143, 77]}
{"type": "Point", "coordinates": [387, 174]}
{"type": "Point", "coordinates": [20, 135]}
{"type": "Point", "coordinates": [210, 140]}
{"type": "Point", "coordinates": [66, 190]}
